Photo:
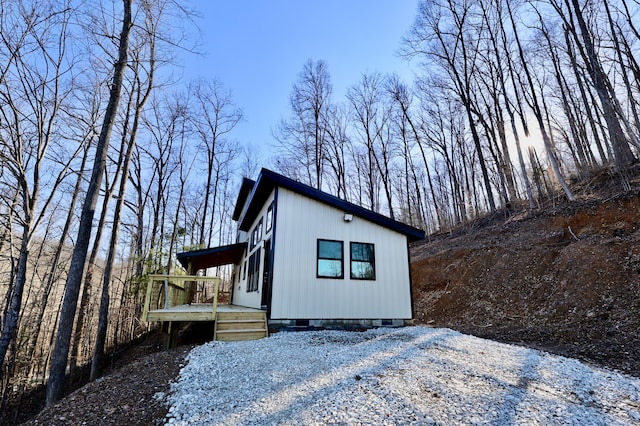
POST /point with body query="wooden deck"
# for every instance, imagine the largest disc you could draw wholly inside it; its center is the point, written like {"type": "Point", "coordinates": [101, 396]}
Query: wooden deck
{"type": "Point", "coordinates": [195, 312]}
{"type": "Point", "coordinates": [167, 299]}
{"type": "Point", "coordinates": [171, 297]}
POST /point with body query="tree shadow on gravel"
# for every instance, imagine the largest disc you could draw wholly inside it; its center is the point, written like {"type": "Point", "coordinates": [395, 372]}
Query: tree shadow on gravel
{"type": "Point", "coordinates": [403, 376]}
{"type": "Point", "coordinates": [401, 347]}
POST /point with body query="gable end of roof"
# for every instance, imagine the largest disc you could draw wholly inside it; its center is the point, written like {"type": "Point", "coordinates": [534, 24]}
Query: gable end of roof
{"type": "Point", "coordinates": [268, 180]}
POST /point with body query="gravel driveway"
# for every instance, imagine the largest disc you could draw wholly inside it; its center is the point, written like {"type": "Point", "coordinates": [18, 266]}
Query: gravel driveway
{"type": "Point", "coordinates": [410, 375]}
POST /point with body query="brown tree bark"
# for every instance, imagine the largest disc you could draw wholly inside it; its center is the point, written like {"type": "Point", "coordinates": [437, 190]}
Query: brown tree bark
{"type": "Point", "coordinates": [31, 95]}
{"type": "Point", "coordinates": [55, 385]}
{"type": "Point", "coordinates": [538, 112]}
{"type": "Point", "coordinates": [600, 80]}
{"type": "Point", "coordinates": [101, 335]}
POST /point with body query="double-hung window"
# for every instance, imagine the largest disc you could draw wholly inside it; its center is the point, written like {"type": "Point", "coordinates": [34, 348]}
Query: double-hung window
{"type": "Point", "coordinates": [362, 261]}
{"type": "Point", "coordinates": [330, 259]}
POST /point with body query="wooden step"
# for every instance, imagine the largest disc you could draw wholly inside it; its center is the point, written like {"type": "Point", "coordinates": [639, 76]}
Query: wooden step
{"type": "Point", "coordinates": [242, 330]}
{"type": "Point", "coordinates": [247, 335]}
{"type": "Point", "coordinates": [240, 325]}
{"type": "Point", "coordinates": [240, 315]}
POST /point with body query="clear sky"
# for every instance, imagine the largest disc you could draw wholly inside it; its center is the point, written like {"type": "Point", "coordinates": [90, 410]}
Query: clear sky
{"type": "Point", "coordinates": [258, 48]}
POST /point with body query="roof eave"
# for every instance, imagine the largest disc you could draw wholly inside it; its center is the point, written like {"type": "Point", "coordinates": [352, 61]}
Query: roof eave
{"type": "Point", "coordinates": [268, 179]}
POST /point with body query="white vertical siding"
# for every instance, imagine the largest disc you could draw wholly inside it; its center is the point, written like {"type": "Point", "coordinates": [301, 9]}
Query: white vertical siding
{"type": "Point", "coordinates": [240, 295]}
{"type": "Point", "coordinates": [298, 294]}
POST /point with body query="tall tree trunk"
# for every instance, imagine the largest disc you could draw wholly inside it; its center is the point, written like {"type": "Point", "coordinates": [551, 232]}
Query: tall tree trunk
{"type": "Point", "coordinates": [602, 85]}
{"type": "Point", "coordinates": [483, 164]}
{"type": "Point", "coordinates": [84, 309]}
{"type": "Point", "coordinates": [10, 320]}
{"type": "Point", "coordinates": [404, 106]}
{"type": "Point", "coordinates": [96, 361]}
{"type": "Point", "coordinates": [52, 276]}
{"type": "Point", "coordinates": [55, 385]}
{"type": "Point", "coordinates": [582, 163]}
{"type": "Point", "coordinates": [538, 113]}
{"type": "Point", "coordinates": [625, 77]}
{"type": "Point", "coordinates": [101, 335]}
{"type": "Point", "coordinates": [585, 101]}
{"type": "Point", "coordinates": [510, 113]}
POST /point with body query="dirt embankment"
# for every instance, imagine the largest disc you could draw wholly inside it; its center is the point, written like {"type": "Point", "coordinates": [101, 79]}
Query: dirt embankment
{"type": "Point", "coordinates": [567, 281]}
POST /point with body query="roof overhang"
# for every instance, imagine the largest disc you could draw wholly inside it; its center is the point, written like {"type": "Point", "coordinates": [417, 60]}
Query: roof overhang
{"type": "Point", "coordinates": [268, 180]}
{"type": "Point", "coordinates": [211, 257]}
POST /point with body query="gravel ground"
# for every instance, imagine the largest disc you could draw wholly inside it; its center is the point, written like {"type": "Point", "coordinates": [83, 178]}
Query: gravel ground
{"type": "Point", "coordinates": [411, 375]}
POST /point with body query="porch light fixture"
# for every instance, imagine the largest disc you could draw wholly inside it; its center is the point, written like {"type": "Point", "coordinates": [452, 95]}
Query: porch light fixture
{"type": "Point", "coordinates": [348, 217]}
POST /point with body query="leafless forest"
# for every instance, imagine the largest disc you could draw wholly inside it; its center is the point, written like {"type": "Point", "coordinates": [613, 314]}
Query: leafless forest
{"type": "Point", "coordinates": [110, 165]}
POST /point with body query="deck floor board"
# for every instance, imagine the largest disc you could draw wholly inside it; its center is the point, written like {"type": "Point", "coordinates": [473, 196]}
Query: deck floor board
{"type": "Point", "coordinates": [194, 312]}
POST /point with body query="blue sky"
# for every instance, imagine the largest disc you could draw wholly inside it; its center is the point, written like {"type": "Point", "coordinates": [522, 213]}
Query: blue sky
{"type": "Point", "coordinates": [258, 48]}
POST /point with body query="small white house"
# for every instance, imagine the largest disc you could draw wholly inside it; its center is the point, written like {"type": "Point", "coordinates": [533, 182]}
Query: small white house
{"type": "Point", "coordinates": [310, 258]}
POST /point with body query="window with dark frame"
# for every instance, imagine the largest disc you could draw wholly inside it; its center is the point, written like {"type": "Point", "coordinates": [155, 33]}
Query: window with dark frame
{"type": "Point", "coordinates": [244, 270]}
{"type": "Point", "coordinates": [254, 271]}
{"type": "Point", "coordinates": [330, 260]}
{"type": "Point", "coordinates": [363, 261]}
{"type": "Point", "coordinates": [256, 235]}
{"type": "Point", "coordinates": [254, 238]}
{"type": "Point", "coordinates": [252, 260]}
{"type": "Point", "coordinates": [269, 219]}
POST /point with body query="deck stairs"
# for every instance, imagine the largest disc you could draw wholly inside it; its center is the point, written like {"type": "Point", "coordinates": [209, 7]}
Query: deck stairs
{"type": "Point", "coordinates": [240, 325]}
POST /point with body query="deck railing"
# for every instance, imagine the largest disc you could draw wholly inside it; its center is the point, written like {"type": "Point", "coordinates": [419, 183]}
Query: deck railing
{"type": "Point", "coordinates": [167, 291]}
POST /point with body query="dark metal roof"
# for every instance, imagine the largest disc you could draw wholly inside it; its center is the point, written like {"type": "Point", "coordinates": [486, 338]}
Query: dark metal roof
{"type": "Point", "coordinates": [210, 257]}
{"type": "Point", "coordinates": [268, 180]}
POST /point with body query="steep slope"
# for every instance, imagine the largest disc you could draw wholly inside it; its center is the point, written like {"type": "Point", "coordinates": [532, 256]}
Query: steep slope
{"type": "Point", "coordinates": [567, 281]}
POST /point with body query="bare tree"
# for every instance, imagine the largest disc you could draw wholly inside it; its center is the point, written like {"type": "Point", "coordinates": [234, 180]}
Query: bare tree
{"type": "Point", "coordinates": [441, 35]}
{"type": "Point", "coordinates": [537, 110]}
{"type": "Point", "coordinates": [620, 43]}
{"type": "Point", "coordinates": [492, 78]}
{"type": "Point", "coordinates": [55, 385]}
{"type": "Point", "coordinates": [161, 122]}
{"type": "Point", "coordinates": [400, 93]}
{"type": "Point", "coordinates": [371, 122]}
{"type": "Point", "coordinates": [185, 165]}
{"type": "Point", "coordinates": [576, 147]}
{"type": "Point", "coordinates": [499, 44]}
{"type": "Point", "coordinates": [143, 65]}
{"type": "Point", "coordinates": [301, 139]}
{"type": "Point", "coordinates": [85, 308]}
{"type": "Point", "coordinates": [33, 93]}
{"type": "Point", "coordinates": [410, 193]}
{"type": "Point", "coordinates": [214, 117]}
{"type": "Point", "coordinates": [87, 133]}
{"type": "Point", "coordinates": [584, 97]}
{"type": "Point", "coordinates": [608, 99]}
{"type": "Point", "coordinates": [336, 126]}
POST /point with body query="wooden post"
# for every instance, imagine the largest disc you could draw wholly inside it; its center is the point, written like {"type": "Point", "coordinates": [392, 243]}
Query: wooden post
{"type": "Point", "coordinates": [215, 300]}
{"type": "Point", "coordinates": [170, 334]}
{"type": "Point", "coordinates": [166, 294]}
{"type": "Point", "coordinates": [147, 300]}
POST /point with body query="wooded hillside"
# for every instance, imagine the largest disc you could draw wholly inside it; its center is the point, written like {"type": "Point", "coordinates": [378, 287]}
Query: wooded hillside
{"type": "Point", "coordinates": [565, 280]}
